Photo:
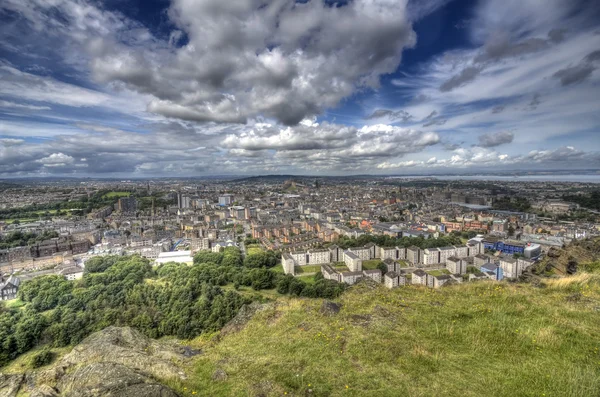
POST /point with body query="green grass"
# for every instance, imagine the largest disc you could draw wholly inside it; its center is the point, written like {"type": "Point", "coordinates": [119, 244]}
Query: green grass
{"type": "Point", "coordinates": [439, 272]}
{"type": "Point", "coordinates": [15, 304]}
{"type": "Point", "coordinates": [370, 265]}
{"type": "Point", "coordinates": [307, 269]}
{"type": "Point", "coordinates": [116, 194]}
{"type": "Point", "coordinates": [474, 339]}
{"type": "Point", "coordinates": [254, 249]}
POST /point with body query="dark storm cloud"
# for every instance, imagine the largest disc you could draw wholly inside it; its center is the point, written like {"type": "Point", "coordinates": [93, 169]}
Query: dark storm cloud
{"type": "Point", "coordinates": [495, 139]}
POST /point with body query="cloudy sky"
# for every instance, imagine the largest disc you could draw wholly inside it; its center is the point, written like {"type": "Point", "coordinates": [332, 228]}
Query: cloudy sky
{"type": "Point", "coordinates": [210, 87]}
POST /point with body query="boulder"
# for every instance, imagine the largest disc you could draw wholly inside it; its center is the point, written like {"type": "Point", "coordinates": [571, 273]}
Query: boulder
{"type": "Point", "coordinates": [329, 308]}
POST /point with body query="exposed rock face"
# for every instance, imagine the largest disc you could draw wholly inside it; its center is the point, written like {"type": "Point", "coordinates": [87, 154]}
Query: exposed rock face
{"type": "Point", "coordinates": [10, 384]}
{"type": "Point", "coordinates": [567, 260]}
{"type": "Point", "coordinates": [108, 379]}
{"type": "Point", "coordinates": [329, 308]}
{"type": "Point", "coordinates": [115, 362]}
{"type": "Point", "coordinates": [244, 315]}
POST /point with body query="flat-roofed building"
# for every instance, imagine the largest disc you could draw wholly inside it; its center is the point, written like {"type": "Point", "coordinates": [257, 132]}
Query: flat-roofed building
{"type": "Point", "coordinates": [373, 274]}
{"type": "Point", "coordinates": [456, 265]}
{"type": "Point", "coordinates": [183, 257]}
{"type": "Point", "coordinates": [352, 261]}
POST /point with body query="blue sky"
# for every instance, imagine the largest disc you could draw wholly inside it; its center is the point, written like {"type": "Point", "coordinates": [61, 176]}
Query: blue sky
{"type": "Point", "coordinates": [204, 87]}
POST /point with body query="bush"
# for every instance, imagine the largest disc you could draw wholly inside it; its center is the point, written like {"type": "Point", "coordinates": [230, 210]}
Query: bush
{"type": "Point", "coordinates": [44, 357]}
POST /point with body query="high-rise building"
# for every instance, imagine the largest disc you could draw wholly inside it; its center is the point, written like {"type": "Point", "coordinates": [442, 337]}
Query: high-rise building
{"type": "Point", "coordinates": [183, 200]}
{"type": "Point", "coordinates": [127, 204]}
{"type": "Point", "coordinates": [225, 200]}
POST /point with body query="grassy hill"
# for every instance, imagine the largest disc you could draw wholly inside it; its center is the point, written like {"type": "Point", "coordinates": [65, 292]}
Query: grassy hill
{"type": "Point", "coordinates": [492, 339]}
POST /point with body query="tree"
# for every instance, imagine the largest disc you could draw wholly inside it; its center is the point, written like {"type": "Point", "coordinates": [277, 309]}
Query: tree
{"type": "Point", "coordinates": [511, 230]}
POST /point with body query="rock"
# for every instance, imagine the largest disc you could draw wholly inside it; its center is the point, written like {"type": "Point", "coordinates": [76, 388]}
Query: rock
{"type": "Point", "coordinates": [244, 315]}
{"type": "Point", "coordinates": [44, 391]}
{"type": "Point", "coordinates": [114, 362]}
{"type": "Point", "coordinates": [10, 384]}
{"type": "Point", "coordinates": [110, 380]}
{"type": "Point", "coordinates": [219, 375]}
{"type": "Point", "coordinates": [329, 308]}
{"type": "Point", "coordinates": [129, 348]}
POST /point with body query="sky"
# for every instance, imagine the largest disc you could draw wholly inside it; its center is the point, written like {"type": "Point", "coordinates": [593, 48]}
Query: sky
{"type": "Point", "coordinates": [159, 88]}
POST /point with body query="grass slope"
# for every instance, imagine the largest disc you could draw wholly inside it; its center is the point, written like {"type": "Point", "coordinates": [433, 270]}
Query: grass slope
{"type": "Point", "coordinates": [478, 339]}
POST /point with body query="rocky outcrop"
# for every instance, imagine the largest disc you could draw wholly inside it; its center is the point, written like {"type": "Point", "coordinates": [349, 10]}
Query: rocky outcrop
{"type": "Point", "coordinates": [244, 315]}
{"type": "Point", "coordinates": [329, 308]}
{"type": "Point", "coordinates": [10, 384]}
{"type": "Point", "coordinates": [569, 259]}
{"type": "Point", "coordinates": [114, 362]}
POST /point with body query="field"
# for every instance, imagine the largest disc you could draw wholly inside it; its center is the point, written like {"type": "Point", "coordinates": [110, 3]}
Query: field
{"type": "Point", "coordinates": [439, 272]}
{"type": "Point", "coordinates": [308, 269]}
{"type": "Point", "coordinates": [116, 194]}
{"type": "Point", "coordinates": [370, 265]}
{"type": "Point", "coordinates": [253, 249]}
{"type": "Point", "coordinates": [476, 339]}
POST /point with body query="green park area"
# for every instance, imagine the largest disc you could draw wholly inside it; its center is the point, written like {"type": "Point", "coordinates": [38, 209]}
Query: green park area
{"type": "Point", "coordinates": [116, 194]}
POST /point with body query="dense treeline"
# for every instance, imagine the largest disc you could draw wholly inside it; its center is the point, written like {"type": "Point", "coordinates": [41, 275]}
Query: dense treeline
{"type": "Point", "coordinates": [387, 241]}
{"type": "Point", "coordinates": [171, 299]}
{"type": "Point", "coordinates": [591, 201]}
{"type": "Point", "coordinates": [20, 239]}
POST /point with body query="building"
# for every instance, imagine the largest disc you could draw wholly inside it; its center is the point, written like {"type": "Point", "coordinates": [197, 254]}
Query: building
{"type": "Point", "coordinates": [456, 265]}
{"type": "Point", "coordinates": [510, 267]}
{"type": "Point", "coordinates": [388, 253]}
{"type": "Point", "coordinates": [481, 259]}
{"type": "Point", "coordinates": [225, 200]}
{"type": "Point", "coordinates": [127, 204]}
{"type": "Point", "coordinates": [329, 273]}
{"type": "Point", "coordinates": [419, 277]}
{"type": "Point", "coordinates": [431, 256]}
{"type": "Point", "coordinates": [183, 257]}
{"type": "Point", "coordinates": [351, 277]}
{"type": "Point", "coordinates": [392, 265]}
{"type": "Point", "coordinates": [438, 281]}
{"type": "Point", "coordinates": [9, 288]}
{"type": "Point", "coordinates": [336, 254]}
{"type": "Point", "coordinates": [183, 201]}
{"type": "Point", "coordinates": [494, 269]}
{"type": "Point", "coordinates": [364, 253]}
{"type": "Point", "coordinates": [237, 212]}
{"type": "Point", "coordinates": [317, 256]}
{"type": "Point", "coordinates": [413, 255]}
{"type": "Point", "coordinates": [373, 274]}
{"type": "Point", "coordinates": [532, 250]}
{"type": "Point", "coordinates": [352, 261]}
{"type": "Point", "coordinates": [445, 253]}
{"type": "Point", "coordinates": [71, 273]}
{"type": "Point", "coordinates": [508, 247]}
{"type": "Point", "coordinates": [288, 264]}
{"type": "Point", "coordinates": [391, 279]}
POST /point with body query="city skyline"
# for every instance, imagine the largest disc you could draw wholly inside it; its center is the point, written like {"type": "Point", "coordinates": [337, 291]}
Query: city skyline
{"type": "Point", "coordinates": [186, 88]}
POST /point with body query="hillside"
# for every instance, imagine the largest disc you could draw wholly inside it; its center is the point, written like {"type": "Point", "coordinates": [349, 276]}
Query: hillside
{"type": "Point", "coordinates": [577, 256]}
{"type": "Point", "coordinates": [493, 339]}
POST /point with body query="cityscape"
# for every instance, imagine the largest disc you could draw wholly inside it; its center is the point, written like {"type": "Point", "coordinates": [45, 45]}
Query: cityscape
{"type": "Point", "coordinates": [299, 198]}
